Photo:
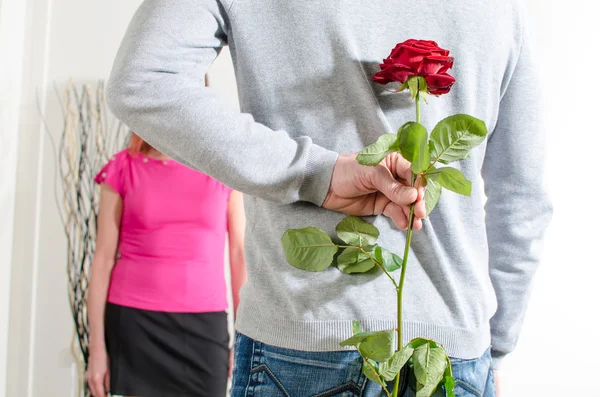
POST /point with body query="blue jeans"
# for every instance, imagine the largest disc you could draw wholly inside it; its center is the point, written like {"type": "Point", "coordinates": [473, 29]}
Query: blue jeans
{"type": "Point", "coordinates": [262, 370]}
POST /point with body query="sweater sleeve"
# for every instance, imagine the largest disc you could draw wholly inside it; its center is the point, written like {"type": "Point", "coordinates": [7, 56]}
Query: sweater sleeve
{"type": "Point", "coordinates": [157, 88]}
{"type": "Point", "coordinates": [518, 209]}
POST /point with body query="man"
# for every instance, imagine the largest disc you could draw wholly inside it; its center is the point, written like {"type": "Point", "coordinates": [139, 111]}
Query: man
{"type": "Point", "coordinates": [304, 73]}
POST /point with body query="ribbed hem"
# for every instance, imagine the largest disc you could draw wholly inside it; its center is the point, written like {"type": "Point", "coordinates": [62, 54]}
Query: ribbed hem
{"type": "Point", "coordinates": [327, 335]}
{"type": "Point", "coordinates": [497, 358]}
{"type": "Point", "coordinates": [317, 175]}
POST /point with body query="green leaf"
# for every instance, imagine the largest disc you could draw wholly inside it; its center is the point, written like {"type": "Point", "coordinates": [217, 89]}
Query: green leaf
{"type": "Point", "coordinates": [391, 262]}
{"type": "Point", "coordinates": [426, 390]}
{"type": "Point", "coordinates": [432, 194]}
{"type": "Point", "coordinates": [370, 371]}
{"type": "Point", "coordinates": [353, 260]}
{"type": "Point", "coordinates": [455, 136]}
{"type": "Point", "coordinates": [355, 231]}
{"type": "Point", "coordinates": [378, 346]}
{"type": "Point", "coordinates": [413, 146]}
{"type": "Point", "coordinates": [413, 85]}
{"type": "Point", "coordinates": [356, 339]}
{"type": "Point", "coordinates": [375, 152]}
{"type": "Point", "coordinates": [416, 84]}
{"type": "Point", "coordinates": [423, 85]}
{"type": "Point", "coordinates": [417, 342]}
{"type": "Point", "coordinates": [449, 380]}
{"type": "Point", "coordinates": [439, 392]}
{"type": "Point", "coordinates": [402, 87]}
{"type": "Point", "coordinates": [451, 179]}
{"type": "Point", "coordinates": [355, 327]}
{"type": "Point", "coordinates": [429, 364]}
{"type": "Point", "coordinates": [390, 369]}
{"type": "Point", "coordinates": [308, 249]}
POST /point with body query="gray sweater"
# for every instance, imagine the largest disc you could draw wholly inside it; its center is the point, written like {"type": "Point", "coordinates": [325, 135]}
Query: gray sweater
{"type": "Point", "coordinates": [304, 72]}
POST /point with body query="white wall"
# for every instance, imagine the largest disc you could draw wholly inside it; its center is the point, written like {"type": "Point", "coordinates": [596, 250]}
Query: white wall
{"type": "Point", "coordinates": [12, 16]}
{"type": "Point", "coordinates": [552, 358]}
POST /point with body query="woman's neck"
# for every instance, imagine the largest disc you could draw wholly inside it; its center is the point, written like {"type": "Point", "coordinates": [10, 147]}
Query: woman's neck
{"type": "Point", "coordinates": [156, 154]}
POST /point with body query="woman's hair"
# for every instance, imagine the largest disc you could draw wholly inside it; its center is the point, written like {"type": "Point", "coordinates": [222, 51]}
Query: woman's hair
{"type": "Point", "coordinates": [138, 145]}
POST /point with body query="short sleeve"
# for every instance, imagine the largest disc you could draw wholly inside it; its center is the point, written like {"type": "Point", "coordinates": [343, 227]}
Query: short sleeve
{"type": "Point", "coordinates": [112, 172]}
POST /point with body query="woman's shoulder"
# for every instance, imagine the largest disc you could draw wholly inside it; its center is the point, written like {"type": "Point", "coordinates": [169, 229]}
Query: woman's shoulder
{"type": "Point", "coordinates": [123, 155]}
{"type": "Point", "coordinates": [199, 181]}
{"type": "Point", "coordinates": [215, 183]}
{"type": "Point", "coordinates": [111, 172]}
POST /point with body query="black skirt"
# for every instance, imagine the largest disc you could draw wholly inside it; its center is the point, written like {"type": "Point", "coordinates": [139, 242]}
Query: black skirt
{"type": "Point", "coordinates": [159, 354]}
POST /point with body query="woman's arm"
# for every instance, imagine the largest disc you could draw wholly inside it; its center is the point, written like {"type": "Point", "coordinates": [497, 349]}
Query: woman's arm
{"type": "Point", "coordinates": [236, 224]}
{"type": "Point", "coordinates": [107, 240]}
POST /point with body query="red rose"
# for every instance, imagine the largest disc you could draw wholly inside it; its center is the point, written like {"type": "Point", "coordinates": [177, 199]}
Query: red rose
{"type": "Point", "coordinates": [418, 58]}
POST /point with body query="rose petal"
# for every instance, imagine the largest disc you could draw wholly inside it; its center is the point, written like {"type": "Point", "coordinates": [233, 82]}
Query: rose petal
{"type": "Point", "coordinates": [380, 78]}
{"type": "Point", "coordinates": [438, 84]}
{"type": "Point", "coordinates": [435, 65]}
{"type": "Point", "coordinates": [407, 56]}
{"type": "Point", "coordinates": [426, 44]}
{"type": "Point", "coordinates": [440, 80]}
{"type": "Point", "coordinates": [432, 47]}
{"type": "Point", "coordinates": [393, 72]}
{"type": "Point", "coordinates": [395, 52]}
{"type": "Point", "coordinates": [412, 57]}
{"type": "Point", "coordinates": [440, 91]}
{"type": "Point", "coordinates": [440, 52]}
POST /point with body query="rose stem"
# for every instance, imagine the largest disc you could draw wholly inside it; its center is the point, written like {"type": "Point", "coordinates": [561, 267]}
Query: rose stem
{"type": "Point", "coordinates": [406, 250]}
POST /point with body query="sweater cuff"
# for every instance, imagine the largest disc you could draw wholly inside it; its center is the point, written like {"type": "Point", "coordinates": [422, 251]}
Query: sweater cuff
{"type": "Point", "coordinates": [497, 358]}
{"type": "Point", "coordinates": [317, 175]}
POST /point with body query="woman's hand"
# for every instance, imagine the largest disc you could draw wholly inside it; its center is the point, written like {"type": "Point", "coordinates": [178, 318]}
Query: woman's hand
{"type": "Point", "coordinates": [97, 375]}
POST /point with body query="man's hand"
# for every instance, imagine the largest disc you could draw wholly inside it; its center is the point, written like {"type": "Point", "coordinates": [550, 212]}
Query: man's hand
{"type": "Point", "coordinates": [384, 189]}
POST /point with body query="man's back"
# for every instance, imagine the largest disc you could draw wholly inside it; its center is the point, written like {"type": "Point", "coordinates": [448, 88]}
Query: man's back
{"type": "Point", "coordinates": [304, 72]}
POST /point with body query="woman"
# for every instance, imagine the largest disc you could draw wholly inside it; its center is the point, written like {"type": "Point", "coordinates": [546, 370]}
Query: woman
{"type": "Point", "coordinates": [157, 295]}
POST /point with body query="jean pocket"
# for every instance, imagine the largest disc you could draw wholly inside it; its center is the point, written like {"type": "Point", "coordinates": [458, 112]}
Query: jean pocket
{"type": "Point", "coordinates": [264, 382]}
{"type": "Point", "coordinates": [474, 379]}
{"type": "Point", "coordinates": [287, 373]}
{"type": "Point", "coordinates": [472, 375]}
{"type": "Point", "coordinates": [464, 389]}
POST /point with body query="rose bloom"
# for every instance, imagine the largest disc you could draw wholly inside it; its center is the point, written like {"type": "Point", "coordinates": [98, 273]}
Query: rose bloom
{"type": "Point", "coordinates": [418, 58]}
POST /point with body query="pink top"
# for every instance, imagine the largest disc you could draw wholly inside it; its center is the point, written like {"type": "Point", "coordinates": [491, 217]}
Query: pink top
{"type": "Point", "coordinates": [172, 238]}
